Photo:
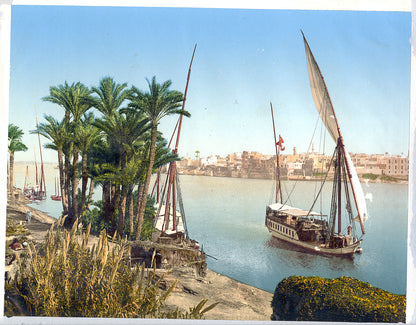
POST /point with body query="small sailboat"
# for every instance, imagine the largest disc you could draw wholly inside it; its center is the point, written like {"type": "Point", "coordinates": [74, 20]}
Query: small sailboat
{"type": "Point", "coordinates": [314, 231]}
{"type": "Point", "coordinates": [170, 221]}
{"type": "Point", "coordinates": [56, 197]}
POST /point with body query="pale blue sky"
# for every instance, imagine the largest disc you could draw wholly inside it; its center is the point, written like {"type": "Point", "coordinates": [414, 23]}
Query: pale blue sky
{"type": "Point", "coordinates": [244, 60]}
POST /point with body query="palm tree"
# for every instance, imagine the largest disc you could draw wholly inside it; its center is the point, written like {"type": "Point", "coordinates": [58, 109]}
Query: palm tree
{"type": "Point", "coordinates": [55, 132]}
{"type": "Point", "coordinates": [15, 135]}
{"type": "Point", "coordinates": [123, 132]}
{"type": "Point", "coordinates": [76, 101]}
{"type": "Point", "coordinates": [88, 135]}
{"type": "Point", "coordinates": [155, 104]}
{"type": "Point", "coordinates": [110, 96]}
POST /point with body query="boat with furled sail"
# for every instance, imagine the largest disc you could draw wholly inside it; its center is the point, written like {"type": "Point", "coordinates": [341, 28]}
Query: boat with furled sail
{"type": "Point", "coordinates": [170, 221]}
{"type": "Point", "coordinates": [334, 234]}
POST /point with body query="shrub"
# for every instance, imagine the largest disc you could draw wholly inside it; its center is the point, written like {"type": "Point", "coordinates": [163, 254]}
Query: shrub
{"type": "Point", "coordinates": [386, 178]}
{"type": "Point", "coordinates": [370, 176]}
{"type": "Point", "coordinates": [343, 299]}
{"type": "Point", "coordinates": [13, 228]}
{"type": "Point", "coordinates": [62, 277]}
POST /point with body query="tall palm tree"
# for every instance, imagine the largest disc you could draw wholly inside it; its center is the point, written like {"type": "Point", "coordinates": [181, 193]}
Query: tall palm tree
{"type": "Point", "coordinates": [123, 133]}
{"type": "Point", "coordinates": [108, 99]}
{"type": "Point", "coordinates": [56, 132]}
{"type": "Point", "coordinates": [88, 135]}
{"type": "Point", "coordinates": [155, 104]}
{"type": "Point", "coordinates": [111, 96]}
{"type": "Point", "coordinates": [15, 135]}
{"type": "Point", "coordinates": [76, 101]}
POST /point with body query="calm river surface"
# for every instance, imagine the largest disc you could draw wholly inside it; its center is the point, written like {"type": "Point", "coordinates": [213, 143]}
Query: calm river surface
{"type": "Point", "coordinates": [226, 215]}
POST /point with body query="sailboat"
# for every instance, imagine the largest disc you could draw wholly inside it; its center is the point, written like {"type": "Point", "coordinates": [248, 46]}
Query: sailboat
{"type": "Point", "coordinates": [35, 192]}
{"type": "Point", "coordinates": [315, 231]}
{"type": "Point", "coordinates": [170, 221]}
{"type": "Point", "coordinates": [56, 197]}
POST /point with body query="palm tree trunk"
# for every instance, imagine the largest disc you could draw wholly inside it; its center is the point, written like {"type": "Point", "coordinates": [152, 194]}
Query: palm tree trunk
{"type": "Point", "coordinates": [123, 196]}
{"type": "Point", "coordinates": [115, 201]}
{"type": "Point", "coordinates": [62, 182]}
{"type": "Point", "coordinates": [106, 202]}
{"type": "Point", "coordinates": [90, 193]}
{"type": "Point", "coordinates": [122, 210]}
{"type": "Point", "coordinates": [147, 181]}
{"type": "Point", "coordinates": [84, 181]}
{"type": "Point", "coordinates": [75, 185]}
{"type": "Point", "coordinates": [67, 185]}
{"type": "Point", "coordinates": [140, 191]}
{"type": "Point", "coordinates": [130, 213]}
{"type": "Point", "coordinates": [11, 171]}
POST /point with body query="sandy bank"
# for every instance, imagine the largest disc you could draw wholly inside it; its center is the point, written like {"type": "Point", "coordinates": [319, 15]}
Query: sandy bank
{"type": "Point", "coordinates": [237, 301]}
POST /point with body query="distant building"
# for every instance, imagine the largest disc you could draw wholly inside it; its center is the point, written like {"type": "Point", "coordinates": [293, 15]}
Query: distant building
{"type": "Point", "coordinates": [396, 166]}
{"type": "Point", "coordinates": [209, 161]}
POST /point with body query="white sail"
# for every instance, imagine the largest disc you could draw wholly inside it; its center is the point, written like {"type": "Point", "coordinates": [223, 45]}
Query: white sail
{"type": "Point", "coordinates": [326, 111]}
{"type": "Point", "coordinates": [358, 190]}
{"type": "Point", "coordinates": [321, 96]}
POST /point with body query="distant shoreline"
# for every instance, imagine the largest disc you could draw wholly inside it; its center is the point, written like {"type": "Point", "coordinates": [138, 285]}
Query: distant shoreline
{"type": "Point", "coordinates": [285, 178]}
{"type": "Point", "coordinates": [302, 178]}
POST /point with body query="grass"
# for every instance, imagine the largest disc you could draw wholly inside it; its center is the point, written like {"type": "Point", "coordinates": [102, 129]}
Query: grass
{"type": "Point", "coordinates": [64, 277]}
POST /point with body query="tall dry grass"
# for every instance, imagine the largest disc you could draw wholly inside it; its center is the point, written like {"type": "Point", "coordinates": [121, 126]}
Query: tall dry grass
{"type": "Point", "coordinates": [63, 277]}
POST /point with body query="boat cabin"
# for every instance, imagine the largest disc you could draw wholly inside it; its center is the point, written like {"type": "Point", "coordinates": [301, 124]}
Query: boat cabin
{"type": "Point", "coordinates": [306, 224]}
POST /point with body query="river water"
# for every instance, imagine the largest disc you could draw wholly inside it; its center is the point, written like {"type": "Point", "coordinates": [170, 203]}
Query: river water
{"type": "Point", "coordinates": [226, 216]}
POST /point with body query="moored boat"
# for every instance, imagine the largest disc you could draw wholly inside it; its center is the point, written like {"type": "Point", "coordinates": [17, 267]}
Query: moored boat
{"type": "Point", "coordinates": [334, 234]}
{"type": "Point", "coordinates": [170, 221]}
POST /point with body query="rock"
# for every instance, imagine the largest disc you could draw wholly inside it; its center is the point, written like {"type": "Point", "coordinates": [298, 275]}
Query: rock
{"type": "Point", "coordinates": [343, 299]}
{"type": "Point", "coordinates": [16, 246]}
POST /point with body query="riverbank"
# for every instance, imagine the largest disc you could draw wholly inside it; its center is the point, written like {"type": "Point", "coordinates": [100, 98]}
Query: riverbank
{"type": "Point", "coordinates": [237, 301]}
{"type": "Point", "coordinates": [214, 173]}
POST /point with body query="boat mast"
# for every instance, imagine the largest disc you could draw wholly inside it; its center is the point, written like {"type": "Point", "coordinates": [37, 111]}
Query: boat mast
{"type": "Point", "coordinates": [277, 147]}
{"type": "Point", "coordinates": [171, 184]}
{"type": "Point", "coordinates": [36, 167]}
{"type": "Point", "coordinates": [339, 150]}
{"type": "Point", "coordinates": [42, 177]}
{"type": "Point", "coordinates": [335, 133]}
{"type": "Point", "coordinates": [26, 177]}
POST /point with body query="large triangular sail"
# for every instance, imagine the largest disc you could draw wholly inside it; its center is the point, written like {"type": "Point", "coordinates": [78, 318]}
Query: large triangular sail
{"type": "Point", "coordinates": [326, 111]}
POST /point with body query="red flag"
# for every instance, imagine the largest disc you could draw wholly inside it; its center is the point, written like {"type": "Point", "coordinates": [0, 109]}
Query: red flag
{"type": "Point", "coordinates": [280, 143]}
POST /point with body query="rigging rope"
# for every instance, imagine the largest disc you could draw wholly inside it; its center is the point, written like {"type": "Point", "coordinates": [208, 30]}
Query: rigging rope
{"type": "Point", "coordinates": [182, 210]}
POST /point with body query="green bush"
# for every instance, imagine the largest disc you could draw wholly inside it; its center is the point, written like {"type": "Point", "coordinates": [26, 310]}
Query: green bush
{"type": "Point", "coordinates": [63, 277]}
{"type": "Point", "coordinates": [95, 217]}
{"type": "Point", "coordinates": [386, 178]}
{"type": "Point", "coordinates": [14, 229]}
{"type": "Point", "coordinates": [342, 299]}
{"type": "Point", "coordinates": [370, 176]}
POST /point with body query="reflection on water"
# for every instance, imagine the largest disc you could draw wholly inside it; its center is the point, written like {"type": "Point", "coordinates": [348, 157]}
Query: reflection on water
{"type": "Point", "coordinates": [295, 256]}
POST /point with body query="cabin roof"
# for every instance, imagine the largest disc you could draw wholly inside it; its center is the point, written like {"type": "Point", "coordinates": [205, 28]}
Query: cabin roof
{"type": "Point", "coordinates": [292, 211]}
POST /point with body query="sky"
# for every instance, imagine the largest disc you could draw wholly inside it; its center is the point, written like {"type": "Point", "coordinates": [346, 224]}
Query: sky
{"type": "Point", "coordinates": [245, 59]}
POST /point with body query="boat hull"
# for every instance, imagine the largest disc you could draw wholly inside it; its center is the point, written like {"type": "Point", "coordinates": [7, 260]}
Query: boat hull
{"type": "Point", "coordinates": [315, 247]}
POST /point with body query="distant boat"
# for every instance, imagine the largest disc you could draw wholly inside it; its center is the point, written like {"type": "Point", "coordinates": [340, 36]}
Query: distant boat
{"type": "Point", "coordinates": [314, 231]}
{"type": "Point", "coordinates": [36, 192]}
{"type": "Point", "coordinates": [56, 197]}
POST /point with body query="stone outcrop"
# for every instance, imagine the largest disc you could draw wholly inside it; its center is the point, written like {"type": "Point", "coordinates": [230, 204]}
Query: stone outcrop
{"type": "Point", "coordinates": [343, 300]}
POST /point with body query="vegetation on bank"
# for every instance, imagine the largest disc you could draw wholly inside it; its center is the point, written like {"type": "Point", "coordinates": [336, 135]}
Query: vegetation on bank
{"type": "Point", "coordinates": [14, 137]}
{"type": "Point", "coordinates": [342, 299]}
{"type": "Point", "coordinates": [118, 149]}
{"type": "Point", "coordinates": [382, 178]}
{"type": "Point", "coordinates": [63, 277]}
